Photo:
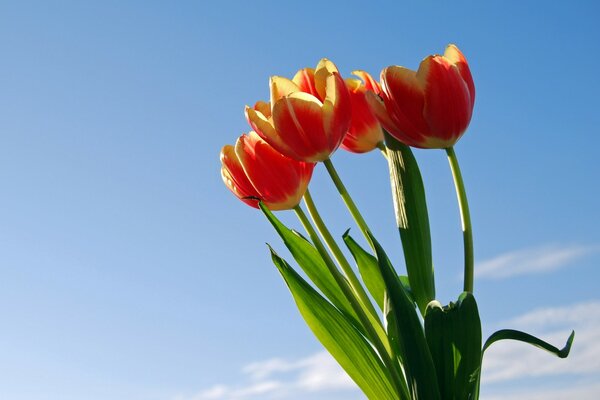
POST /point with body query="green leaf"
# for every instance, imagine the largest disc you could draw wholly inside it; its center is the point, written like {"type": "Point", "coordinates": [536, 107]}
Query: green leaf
{"type": "Point", "coordinates": [412, 219]}
{"type": "Point", "coordinates": [309, 259]}
{"type": "Point", "coordinates": [512, 334]}
{"type": "Point", "coordinates": [454, 337]}
{"type": "Point", "coordinates": [368, 268]}
{"type": "Point", "coordinates": [339, 336]}
{"type": "Point", "coordinates": [404, 281]}
{"type": "Point", "coordinates": [406, 333]}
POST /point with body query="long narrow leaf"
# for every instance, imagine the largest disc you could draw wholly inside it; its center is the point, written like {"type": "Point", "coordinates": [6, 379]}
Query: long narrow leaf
{"type": "Point", "coordinates": [406, 333]}
{"type": "Point", "coordinates": [339, 336]}
{"type": "Point", "coordinates": [412, 219]}
{"type": "Point", "coordinates": [511, 334]}
{"type": "Point", "coordinates": [309, 259]}
{"type": "Point", "coordinates": [404, 281]}
{"type": "Point", "coordinates": [368, 268]}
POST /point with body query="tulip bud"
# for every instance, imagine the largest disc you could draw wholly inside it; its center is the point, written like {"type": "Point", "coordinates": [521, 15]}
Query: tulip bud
{"type": "Point", "coordinates": [309, 115]}
{"type": "Point", "coordinates": [430, 108]}
{"type": "Point", "coordinates": [254, 171]}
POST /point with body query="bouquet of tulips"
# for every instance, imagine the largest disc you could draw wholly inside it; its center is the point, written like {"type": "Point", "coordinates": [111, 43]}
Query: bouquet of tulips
{"type": "Point", "coordinates": [386, 329]}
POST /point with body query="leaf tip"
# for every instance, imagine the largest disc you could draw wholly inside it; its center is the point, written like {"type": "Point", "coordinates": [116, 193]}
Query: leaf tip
{"type": "Point", "coordinates": [564, 352]}
{"type": "Point", "coordinates": [346, 234]}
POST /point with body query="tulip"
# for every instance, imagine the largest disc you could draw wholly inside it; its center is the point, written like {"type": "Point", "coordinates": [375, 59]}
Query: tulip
{"type": "Point", "coordinates": [430, 108]}
{"type": "Point", "coordinates": [365, 132]}
{"type": "Point", "coordinates": [254, 171]}
{"type": "Point", "coordinates": [308, 116]}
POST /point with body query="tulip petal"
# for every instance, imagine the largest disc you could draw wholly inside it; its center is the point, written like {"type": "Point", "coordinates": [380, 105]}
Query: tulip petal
{"type": "Point", "coordinates": [305, 79]}
{"type": "Point", "coordinates": [370, 83]}
{"type": "Point", "coordinates": [337, 111]}
{"type": "Point", "coordinates": [378, 107]}
{"type": "Point", "coordinates": [258, 160]}
{"type": "Point", "coordinates": [365, 131]}
{"type": "Point", "coordinates": [353, 85]}
{"type": "Point", "coordinates": [263, 107]}
{"type": "Point", "coordinates": [280, 180]}
{"type": "Point", "coordinates": [281, 87]}
{"type": "Point", "coordinates": [324, 69]}
{"type": "Point", "coordinates": [363, 140]}
{"type": "Point", "coordinates": [404, 100]}
{"type": "Point", "coordinates": [298, 119]}
{"type": "Point", "coordinates": [447, 102]}
{"type": "Point", "coordinates": [260, 123]}
{"type": "Point", "coordinates": [235, 178]}
{"type": "Point", "coordinates": [454, 55]}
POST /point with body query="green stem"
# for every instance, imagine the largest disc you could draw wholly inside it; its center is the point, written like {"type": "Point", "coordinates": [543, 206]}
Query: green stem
{"type": "Point", "coordinates": [381, 146]}
{"type": "Point", "coordinates": [357, 287]}
{"type": "Point", "coordinates": [383, 351]}
{"type": "Point", "coordinates": [465, 217]}
{"type": "Point", "coordinates": [360, 221]}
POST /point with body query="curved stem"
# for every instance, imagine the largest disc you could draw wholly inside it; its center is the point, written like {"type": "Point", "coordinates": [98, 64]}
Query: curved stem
{"type": "Point", "coordinates": [360, 221]}
{"type": "Point", "coordinates": [357, 287]}
{"type": "Point", "coordinates": [465, 218]}
{"type": "Point", "coordinates": [382, 349]}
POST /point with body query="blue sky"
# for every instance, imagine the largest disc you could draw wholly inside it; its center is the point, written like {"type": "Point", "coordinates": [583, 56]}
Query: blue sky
{"type": "Point", "coordinates": [129, 272]}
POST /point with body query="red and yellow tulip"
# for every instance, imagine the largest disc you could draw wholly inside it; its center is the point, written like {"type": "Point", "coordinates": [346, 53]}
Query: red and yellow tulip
{"type": "Point", "coordinates": [253, 171]}
{"type": "Point", "coordinates": [430, 107]}
{"type": "Point", "coordinates": [365, 132]}
{"type": "Point", "coordinates": [308, 115]}
{"type": "Point", "coordinates": [407, 353]}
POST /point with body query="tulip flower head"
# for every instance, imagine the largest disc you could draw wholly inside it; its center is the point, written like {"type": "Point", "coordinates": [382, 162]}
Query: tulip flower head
{"type": "Point", "coordinates": [365, 132]}
{"type": "Point", "coordinates": [254, 171]}
{"type": "Point", "coordinates": [430, 107]}
{"type": "Point", "coordinates": [308, 116]}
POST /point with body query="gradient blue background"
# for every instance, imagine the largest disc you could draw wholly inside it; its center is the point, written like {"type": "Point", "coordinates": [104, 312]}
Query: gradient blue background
{"type": "Point", "coordinates": [128, 271]}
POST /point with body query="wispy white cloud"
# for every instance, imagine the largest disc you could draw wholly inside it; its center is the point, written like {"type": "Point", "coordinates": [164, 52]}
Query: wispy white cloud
{"type": "Point", "coordinates": [509, 361]}
{"type": "Point", "coordinates": [586, 314]}
{"type": "Point", "coordinates": [278, 378]}
{"type": "Point", "coordinates": [580, 391]}
{"type": "Point", "coordinates": [251, 390]}
{"type": "Point", "coordinates": [532, 261]}
{"type": "Point", "coordinates": [506, 364]}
